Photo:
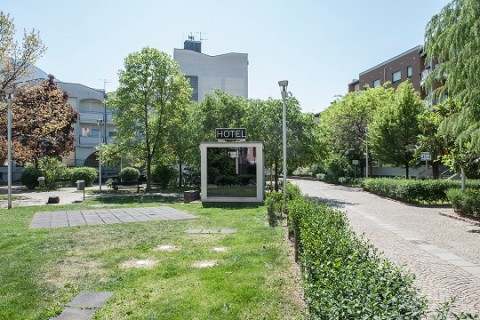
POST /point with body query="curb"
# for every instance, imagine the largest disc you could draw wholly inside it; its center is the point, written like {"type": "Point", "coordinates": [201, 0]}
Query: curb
{"type": "Point", "coordinates": [464, 219]}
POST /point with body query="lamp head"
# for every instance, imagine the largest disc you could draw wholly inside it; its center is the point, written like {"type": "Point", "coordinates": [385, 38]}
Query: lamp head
{"type": "Point", "coordinates": [283, 84]}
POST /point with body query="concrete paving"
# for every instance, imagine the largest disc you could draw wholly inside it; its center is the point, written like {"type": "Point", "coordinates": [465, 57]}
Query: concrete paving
{"type": "Point", "coordinates": [75, 218]}
{"type": "Point", "coordinates": [24, 197]}
{"type": "Point", "coordinates": [443, 253]}
{"type": "Point", "coordinates": [84, 305]}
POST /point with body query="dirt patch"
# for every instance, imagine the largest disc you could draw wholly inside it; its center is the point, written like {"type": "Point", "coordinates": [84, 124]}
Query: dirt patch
{"type": "Point", "coordinates": [166, 248]}
{"type": "Point", "coordinates": [220, 249]}
{"type": "Point", "coordinates": [205, 264]}
{"type": "Point", "coordinates": [138, 264]}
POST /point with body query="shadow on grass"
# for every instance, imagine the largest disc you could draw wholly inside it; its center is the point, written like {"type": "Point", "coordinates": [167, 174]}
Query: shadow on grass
{"type": "Point", "coordinates": [230, 206]}
{"type": "Point", "coordinates": [138, 198]}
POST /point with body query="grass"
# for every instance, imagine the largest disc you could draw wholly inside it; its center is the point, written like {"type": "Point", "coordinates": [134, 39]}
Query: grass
{"type": "Point", "coordinates": [43, 269]}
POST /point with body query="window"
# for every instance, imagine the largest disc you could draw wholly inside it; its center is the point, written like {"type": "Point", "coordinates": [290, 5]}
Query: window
{"type": "Point", "coordinates": [409, 71]}
{"type": "Point", "coordinates": [396, 76]}
{"type": "Point", "coordinates": [376, 83]}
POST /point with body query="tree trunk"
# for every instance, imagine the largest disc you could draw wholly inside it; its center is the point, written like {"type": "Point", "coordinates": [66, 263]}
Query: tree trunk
{"type": "Point", "coordinates": [407, 169]}
{"type": "Point", "coordinates": [149, 173]}
{"type": "Point", "coordinates": [464, 178]}
{"type": "Point", "coordinates": [436, 169]}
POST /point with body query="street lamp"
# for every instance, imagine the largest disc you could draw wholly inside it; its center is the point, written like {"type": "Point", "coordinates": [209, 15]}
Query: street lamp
{"type": "Point", "coordinates": [100, 123]}
{"type": "Point", "coordinates": [366, 152]}
{"type": "Point", "coordinates": [283, 85]}
{"type": "Point", "coordinates": [9, 146]}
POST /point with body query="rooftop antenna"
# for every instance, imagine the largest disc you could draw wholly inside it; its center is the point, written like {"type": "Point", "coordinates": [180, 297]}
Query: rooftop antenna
{"type": "Point", "coordinates": [200, 36]}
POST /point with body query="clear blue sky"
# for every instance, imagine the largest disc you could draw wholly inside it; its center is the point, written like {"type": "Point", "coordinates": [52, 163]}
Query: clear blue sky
{"type": "Point", "coordinates": [318, 45]}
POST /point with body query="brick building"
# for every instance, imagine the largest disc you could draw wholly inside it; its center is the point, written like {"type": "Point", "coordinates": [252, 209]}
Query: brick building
{"type": "Point", "coordinates": [409, 65]}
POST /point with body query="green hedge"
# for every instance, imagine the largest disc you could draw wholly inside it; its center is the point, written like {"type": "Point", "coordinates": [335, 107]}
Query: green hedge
{"type": "Point", "coordinates": [467, 202]}
{"type": "Point", "coordinates": [83, 173]}
{"type": "Point", "coordinates": [345, 277]}
{"type": "Point", "coordinates": [129, 174]}
{"type": "Point", "coordinates": [413, 191]}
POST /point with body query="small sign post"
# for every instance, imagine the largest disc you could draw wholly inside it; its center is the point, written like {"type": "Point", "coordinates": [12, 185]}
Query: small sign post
{"type": "Point", "coordinates": [425, 156]}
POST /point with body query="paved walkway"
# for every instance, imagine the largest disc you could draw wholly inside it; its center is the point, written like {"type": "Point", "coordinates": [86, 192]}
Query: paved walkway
{"type": "Point", "coordinates": [75, 218]}
{"type": "Point", "coordinates": [24, 197]}
{"type": "Point", "coordinates": [442, 252]}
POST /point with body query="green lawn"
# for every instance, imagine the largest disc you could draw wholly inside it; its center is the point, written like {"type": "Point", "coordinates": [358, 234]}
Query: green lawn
{"type": "Point", "coordinates": [42, 270]}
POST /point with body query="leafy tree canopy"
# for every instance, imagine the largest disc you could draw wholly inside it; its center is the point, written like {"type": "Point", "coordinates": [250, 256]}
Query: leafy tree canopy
{"type": "Point", "coordinates": [152, 92]}
{"type": "Point", "coordinates": [43, 123]}
{"type": "Point", "coordinates": [16, 59]}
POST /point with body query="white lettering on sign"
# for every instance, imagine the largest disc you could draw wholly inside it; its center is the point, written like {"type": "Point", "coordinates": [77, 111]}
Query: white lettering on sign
{"type": "Point", "coordinates": [231, 133]}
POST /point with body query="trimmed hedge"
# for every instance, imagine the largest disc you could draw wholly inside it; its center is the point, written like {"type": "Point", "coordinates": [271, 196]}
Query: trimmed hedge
{"type": "Point", "coordinates": [87, 174]}
{"type": "Point", "coordinates": [467, 202]}
{"type": "Point", "coordinates": [129, 174]}
{"type": "Point", "coordinates": [413, 191]}
{"type": "Point", "coordinates": [345, 277]}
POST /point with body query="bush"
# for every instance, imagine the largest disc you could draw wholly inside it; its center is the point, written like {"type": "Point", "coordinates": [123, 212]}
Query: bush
{"type": "Point", "coordinates": [467, 202]}
{"type": "Point", "coordinates": [30, 176]}
{"type": "Point", "coordinates": [129, 174]}
{"type": "Point", "coordinates": [163, 174]}
{"type": "Point", "coordinates": [408, 190]}
{"type": "Point", "coordinates": [53, 170]}
{"type": "Point", "coordinates": [87, 174]}
{"type": "Point", "coordinates": [345, 277]}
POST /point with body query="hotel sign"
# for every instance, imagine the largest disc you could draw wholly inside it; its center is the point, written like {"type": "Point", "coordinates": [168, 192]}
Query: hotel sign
{"type": "Point", "coordinates": [231, 134]}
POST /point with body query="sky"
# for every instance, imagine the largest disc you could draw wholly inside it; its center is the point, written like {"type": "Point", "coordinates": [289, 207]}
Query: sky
{"type": "Point", "coordinates": [319, 46]}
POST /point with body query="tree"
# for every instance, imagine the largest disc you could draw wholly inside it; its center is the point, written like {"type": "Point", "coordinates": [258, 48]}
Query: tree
{"type": "Point", "coordinates": [151, 93]}
{"type": "Point", "coordinates": [16, 59]}
{"type": "Point", "coordinates": [43, 123]}
{"type": "Point", "coordinates": [432, 139]}
{"type": "Point", "coordinates": [393, 133]}
{"type": "Point", "coordinates": [263, 119]}
{"type": "Point", "coordinates": [342, 127]}
{"type": "Point", "coordinates": [453, 38]}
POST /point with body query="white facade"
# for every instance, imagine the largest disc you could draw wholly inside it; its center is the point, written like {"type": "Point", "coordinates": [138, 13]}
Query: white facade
{"type": "Point", "coordinates": [90, 105]}
{"type": "Point", "coordinates": [227, 72]}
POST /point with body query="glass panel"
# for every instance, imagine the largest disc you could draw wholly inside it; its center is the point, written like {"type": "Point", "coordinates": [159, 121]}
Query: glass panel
{"type": "Point", "coordinates": [231, 172]}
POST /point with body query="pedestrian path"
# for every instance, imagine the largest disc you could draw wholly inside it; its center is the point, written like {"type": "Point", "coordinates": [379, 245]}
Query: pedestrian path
{"type": "Point", "coordinates": [443, 253]}
{"type": "Point", "coordinates": [75, 218]}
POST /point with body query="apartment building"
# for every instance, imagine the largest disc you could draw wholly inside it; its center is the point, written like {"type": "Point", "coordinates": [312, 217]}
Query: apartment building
{"type": "Point", "coordinates": [409, 65]}
{"type": "Point", "coordinates": [94, 126]}
{"type": "Point", "coordinates": [227, 72]}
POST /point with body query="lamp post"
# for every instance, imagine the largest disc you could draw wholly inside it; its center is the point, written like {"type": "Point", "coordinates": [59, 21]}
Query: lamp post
{"type": "Point", "coordinates": [283, 85]}
{"type": "Point", "coordinates": [100, 122]}
{"type": "Point", "coordinates": [9, 147]}
{"type": "Point", "coordinates": [366, 152]}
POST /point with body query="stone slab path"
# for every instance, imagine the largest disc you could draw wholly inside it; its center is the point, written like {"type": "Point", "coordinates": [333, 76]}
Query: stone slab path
{"type": "Point", "coordinates": [84, 305]}
{"type": "Point", "coordinates": [442, 252]}
{"type": "Point", "coordinates": [75, 218]}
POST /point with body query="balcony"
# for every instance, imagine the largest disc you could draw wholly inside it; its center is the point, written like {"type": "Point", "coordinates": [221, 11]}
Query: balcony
{"type": "Point", "coordinates": [92, 117]}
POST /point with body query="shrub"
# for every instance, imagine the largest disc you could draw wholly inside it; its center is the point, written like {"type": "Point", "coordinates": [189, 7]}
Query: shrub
{"type": "Point", "coordinates": [30, 176]}
{"type": "Point", "coordinates": [53, 170]}
{"type": "Point", "coordinates": [274, 201]}
{"type": "Point", "coordinates": [414, 191]}
{"type": "Point", "coordinates": [467, 202]}
{"type": "Point", "coordinates": [345, 277]}
{"type": "Point", "coordinates": [129, 174]}
{"type": "Point", "coordinates": [163, 174]}
{"type": "Point", "coordinates": [87, 174]}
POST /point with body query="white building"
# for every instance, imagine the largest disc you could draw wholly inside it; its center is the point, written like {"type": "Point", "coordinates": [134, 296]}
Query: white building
{"type": "Point", "coordinates": [90, 103]}
{"type": "Point", "coordinates": [227, 72]}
